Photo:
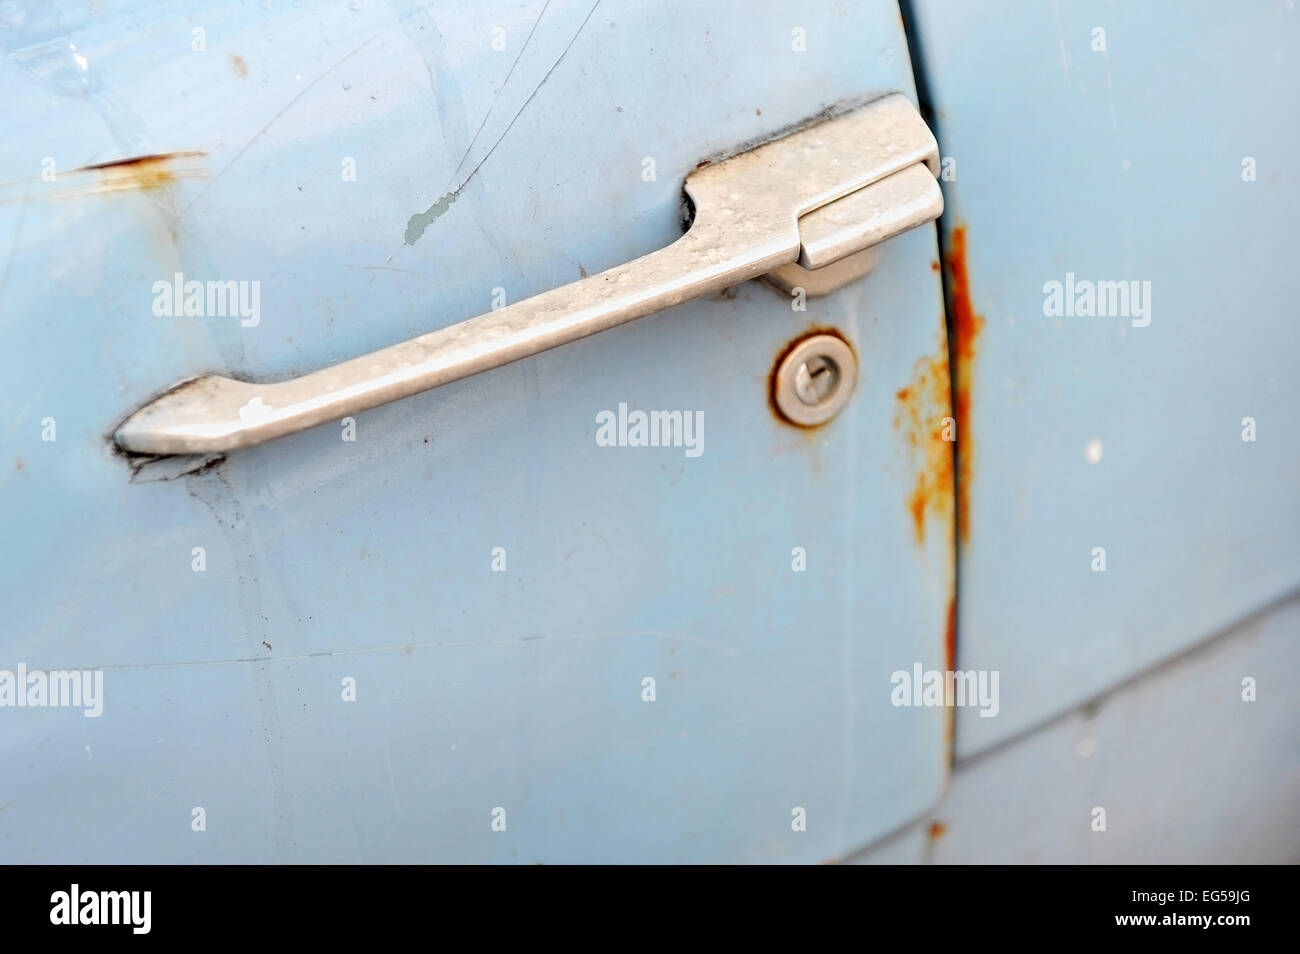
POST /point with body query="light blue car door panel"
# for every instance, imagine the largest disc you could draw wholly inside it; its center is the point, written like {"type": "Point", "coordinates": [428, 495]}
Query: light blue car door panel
{"type": "Point", "coordinates": [493, 586]}
{"type": "Point", "coordinates": [1167, 439]}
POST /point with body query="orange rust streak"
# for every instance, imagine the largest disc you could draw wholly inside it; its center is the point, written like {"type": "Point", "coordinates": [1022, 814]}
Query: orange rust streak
{"type": "Point", "coordinates": [937, 829]}
{"type": "Point", "coordinates": [966, 326]}
{"type": "Point", "coordinates": [923, 407]}
{"type": "Point", "coordinates": [933, 413]}
{"type": "Point", "coordinates": [950, 635]}
{"type": "Point", "coordinates": [145, 173]}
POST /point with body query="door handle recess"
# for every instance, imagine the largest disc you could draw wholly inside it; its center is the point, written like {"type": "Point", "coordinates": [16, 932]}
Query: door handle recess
{"type": "Point", "coordinates": [814, 200]}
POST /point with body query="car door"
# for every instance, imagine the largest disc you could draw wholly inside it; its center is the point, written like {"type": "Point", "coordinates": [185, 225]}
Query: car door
{"type": "Point", "coordinates": [461, 626]}
{"type": "Point", "coordinates": [1129, 459]}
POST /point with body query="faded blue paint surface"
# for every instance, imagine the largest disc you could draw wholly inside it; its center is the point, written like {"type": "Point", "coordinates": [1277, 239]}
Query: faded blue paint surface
{"type": "Point", "coordinates": [1187, 771]}
{"type": "Point", "coordinates": [1120, 165]}
{"type": "Point", "coordinates": [371, 560]}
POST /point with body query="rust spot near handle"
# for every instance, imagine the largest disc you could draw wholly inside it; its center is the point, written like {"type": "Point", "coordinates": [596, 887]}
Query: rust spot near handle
{"type": "Point", "coordinates": [145, 162]}
{"type": "Point", "coordinates": [140, 173]}
{"type": "Point", "coordinates": [147, 174]}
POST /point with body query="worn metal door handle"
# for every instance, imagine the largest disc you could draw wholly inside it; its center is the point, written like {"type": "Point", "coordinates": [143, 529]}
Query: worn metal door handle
{"type": "Point", "coordinates": [812, 198]}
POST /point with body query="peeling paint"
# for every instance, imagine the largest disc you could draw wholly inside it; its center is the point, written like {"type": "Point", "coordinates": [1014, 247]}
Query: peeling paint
{"type": "Point", "coordinates": [417, 223]}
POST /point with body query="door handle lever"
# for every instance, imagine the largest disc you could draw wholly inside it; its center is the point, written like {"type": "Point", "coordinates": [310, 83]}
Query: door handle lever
{"type": "Point", "coordinates": [812, 198]}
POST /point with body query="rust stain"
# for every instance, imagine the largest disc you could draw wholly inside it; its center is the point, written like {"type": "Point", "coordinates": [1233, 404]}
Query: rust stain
{"type": "Point", "coordinates": [966, 326]}
{"type": "Point", "coordinates": [238, 65]}
{"type": "Point", "coordinates": [950, 655]}
{"type": "Point", "coordinates": [933, 417]}
{"type": "Point", "coordinates": [923, 416]}
{"type": "Point", "coordinates": [950, 635]}
{"type": "Point", "coordinates": [934, 410]}
{"type": "Point", "coordinates": [793, 343]}
{"type": "Point", "coordinates": [140, 173]}
{"type": "Point", "coordinates": [936, 267]}
{"type": "Point", "coordinates": [937, 830]}
{"type": "Point", "coordinates": [147, 172]}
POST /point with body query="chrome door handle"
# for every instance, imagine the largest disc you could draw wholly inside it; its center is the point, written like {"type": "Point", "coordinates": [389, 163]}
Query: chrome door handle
{"type": "Point", "coordinates": [815, 197]}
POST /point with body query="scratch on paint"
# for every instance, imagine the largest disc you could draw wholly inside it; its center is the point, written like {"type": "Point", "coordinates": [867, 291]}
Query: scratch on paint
{"type": "Point", "coordinates": [287, 106]}
{"type": "Point", "coordinates": [721, 648]}
{"type": "Point", "coordinates": [504, 83]}
{"type": "Point", "coordinates": [418, 223]}
{"type": "Point", "coordinates": [389, 268]}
